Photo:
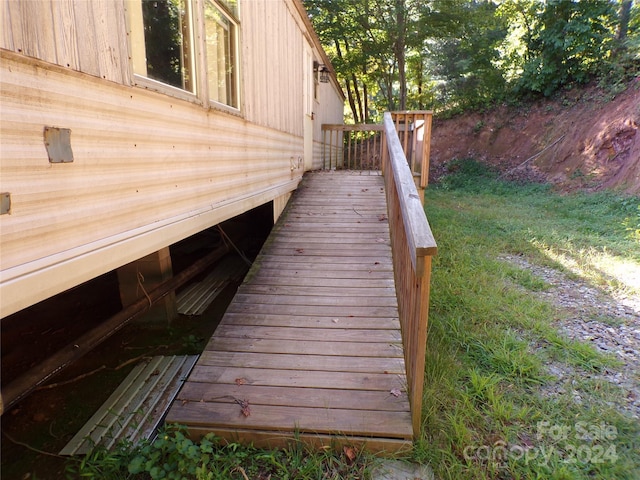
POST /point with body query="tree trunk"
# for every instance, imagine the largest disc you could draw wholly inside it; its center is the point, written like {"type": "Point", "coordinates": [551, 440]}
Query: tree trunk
{"type": "Point", "coordinates": [399, 50]}
{"type": "Point", "coordinates": [352, 103]}
{"type": "Point", "coordinates": [365, 93]}
{"type": "Point", "coordinates": [356, 89]}
{"type": "Point", "coordinates": [348, 87]}
{"type": "Point", "coordinates": [420, 81]}
{"type": "Point", "coordinates": [358, 99]}
{"type": "Point", "coordinates": [624, 15]}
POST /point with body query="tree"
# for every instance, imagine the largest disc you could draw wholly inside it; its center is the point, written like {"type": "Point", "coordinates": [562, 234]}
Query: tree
{"type": "Point", "coordinates": [569, 41]}
{"type": "Point", "coordinates": [464, 53]}
{"type": "Point", "coordinates": [368, 41]}
{"type": "Point", "coordinates": [459, 54]}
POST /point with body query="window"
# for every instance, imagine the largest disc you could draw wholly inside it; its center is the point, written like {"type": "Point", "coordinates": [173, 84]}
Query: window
{"type": "Point", "coordinates": [164, 50]}
{"type": "Point", "coordinates": [220, 28]}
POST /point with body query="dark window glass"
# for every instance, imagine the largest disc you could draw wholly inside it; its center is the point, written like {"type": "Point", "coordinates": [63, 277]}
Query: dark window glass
{"type": "Point", "coordinates": [167, 40]}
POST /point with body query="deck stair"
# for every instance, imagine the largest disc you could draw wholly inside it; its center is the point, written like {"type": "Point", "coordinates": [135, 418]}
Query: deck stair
{"type": "Point", "coordinates": [310, 346]}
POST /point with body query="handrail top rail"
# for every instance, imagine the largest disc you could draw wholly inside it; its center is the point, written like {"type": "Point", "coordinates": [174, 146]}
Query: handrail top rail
{"type": "Point", "coordinates": [353, 127]}
{"type": "Point", "coordinates": [419, 235]}
{"type": "Point", "coordinates": [411, 112]}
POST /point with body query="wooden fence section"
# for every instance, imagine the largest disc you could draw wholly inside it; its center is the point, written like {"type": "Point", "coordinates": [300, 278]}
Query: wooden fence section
{"type": "Point", "coordinates": [414, 128]}
{"type": "Point", "coordinates": [311, 345]}
{"type": "Point", "coordinates": [352, 147]}
{"type": "Point", "coordinates": [413, 245]}
{"type": "Point", "coordinates": [360, 147]}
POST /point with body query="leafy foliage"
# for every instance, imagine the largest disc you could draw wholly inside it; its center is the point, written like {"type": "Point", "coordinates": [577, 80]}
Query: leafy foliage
{"type": "Point", "coordinates": [468, 54]}
{"type": "Point", "coordinates": [567, 44]}
{"type": "Point", "coordinates": [465, 61]}
{"type": "Point", "coordinates": [174, 456]}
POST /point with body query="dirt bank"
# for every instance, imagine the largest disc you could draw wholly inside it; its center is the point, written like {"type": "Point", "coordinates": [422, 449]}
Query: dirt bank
{"type": "Point", "coordinates": [580, 139]}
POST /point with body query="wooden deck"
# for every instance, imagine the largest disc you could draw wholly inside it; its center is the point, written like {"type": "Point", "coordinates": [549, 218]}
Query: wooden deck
{"type": "Point", "coordinates": [311, 344]}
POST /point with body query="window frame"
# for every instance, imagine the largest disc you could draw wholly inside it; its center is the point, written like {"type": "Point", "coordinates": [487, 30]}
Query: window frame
{"type": "Point", "coordinates": [198, 39]}
{"type": "Point", "coordinates": [233, 19]}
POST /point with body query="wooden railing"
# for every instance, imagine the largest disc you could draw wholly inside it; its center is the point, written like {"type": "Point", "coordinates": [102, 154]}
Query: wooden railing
{"type": "Point", "coordinates": [413, 245]}
{"type": "Point", "coordinates": [352, 147]}
{"type": "Point", "coordinates": [359, 147]}
{"type": "Point", "coordinates": [414, 128]}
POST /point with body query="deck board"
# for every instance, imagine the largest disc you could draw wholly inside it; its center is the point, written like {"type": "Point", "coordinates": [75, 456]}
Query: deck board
{"type": "Point", "coordinates": [311, 342]}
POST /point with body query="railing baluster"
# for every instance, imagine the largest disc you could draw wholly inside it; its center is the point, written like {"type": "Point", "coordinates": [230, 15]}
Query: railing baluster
{"type": "Point", "coordinates": [414, 142]}
{"type": "Point", "coordinates": [426, 151]}
{"type": "Point", "coordinates": [349, 135]}
{"type": "Point", "coordinates": [324, 148]}
{"type": "Point", "coordinates": [331, 148]}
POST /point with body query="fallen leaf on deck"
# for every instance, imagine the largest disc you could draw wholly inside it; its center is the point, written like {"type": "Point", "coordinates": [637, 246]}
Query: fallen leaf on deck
{"type": "Point", "coordinates": [244, 407]}
{"type": "Point", "coordinates": [395, 392]}
{"type": "Point", "coordinates": [241, 381]}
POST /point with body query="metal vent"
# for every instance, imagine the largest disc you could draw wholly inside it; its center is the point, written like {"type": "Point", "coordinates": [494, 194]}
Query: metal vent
{"type": "Point", "coordinates": [58, 144]}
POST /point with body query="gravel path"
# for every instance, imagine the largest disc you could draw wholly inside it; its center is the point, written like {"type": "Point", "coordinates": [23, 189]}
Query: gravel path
{"type": "Point", "coordinates": [611, 325]}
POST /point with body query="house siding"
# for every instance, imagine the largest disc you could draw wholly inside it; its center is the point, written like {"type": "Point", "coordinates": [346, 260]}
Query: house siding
{"type": "Point", "coordinates": [148, 169]}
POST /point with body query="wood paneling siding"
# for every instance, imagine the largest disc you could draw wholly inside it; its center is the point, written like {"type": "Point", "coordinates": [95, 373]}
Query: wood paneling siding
{"type": "Point", "coordinates": [149, 168]}
{"type": "Point", "coordinates": [85, 36]}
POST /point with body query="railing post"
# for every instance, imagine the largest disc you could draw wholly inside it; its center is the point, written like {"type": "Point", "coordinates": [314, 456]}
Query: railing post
{"type": "Point", "coordinates": [384, 159]}
{"type": "Point", "coordinates": [419, 356]}
{"type": "Point", "coordinates": [426, 150]}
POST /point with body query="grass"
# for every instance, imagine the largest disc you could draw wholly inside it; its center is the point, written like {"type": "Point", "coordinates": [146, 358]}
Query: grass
{"type": "Point", "coordinates": [491, 339]}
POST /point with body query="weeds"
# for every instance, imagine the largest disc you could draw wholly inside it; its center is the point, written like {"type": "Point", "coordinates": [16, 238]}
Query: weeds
{"type": "Point", "coordinates": [491, 337]}
{"type": "Point", "coordinates": [173, 455]}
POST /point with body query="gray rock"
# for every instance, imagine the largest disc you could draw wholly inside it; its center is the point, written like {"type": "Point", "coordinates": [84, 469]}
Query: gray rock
{"type": "Point", "coordinates": [399, 470]}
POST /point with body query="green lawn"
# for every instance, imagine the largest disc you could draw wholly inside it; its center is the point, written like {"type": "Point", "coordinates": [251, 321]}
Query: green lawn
{"type": "Point", "coordinates": [491, 335]}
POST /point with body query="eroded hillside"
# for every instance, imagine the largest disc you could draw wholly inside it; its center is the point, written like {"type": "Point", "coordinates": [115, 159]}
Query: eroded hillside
{"type": "Point", "coordinates": [582, 139]}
